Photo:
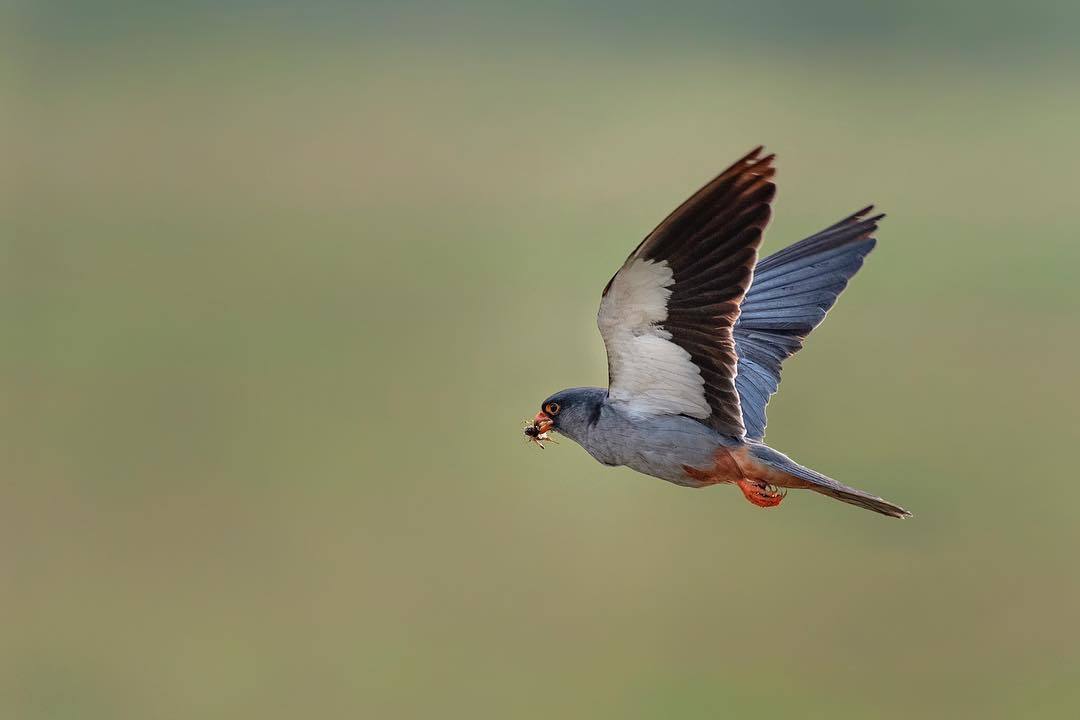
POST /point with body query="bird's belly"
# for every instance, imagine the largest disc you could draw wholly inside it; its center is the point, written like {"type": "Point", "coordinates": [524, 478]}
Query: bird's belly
{"type": "Point", "coordinates": [661, 448]}
{"type": "Point", "coordinates": [665, 466]}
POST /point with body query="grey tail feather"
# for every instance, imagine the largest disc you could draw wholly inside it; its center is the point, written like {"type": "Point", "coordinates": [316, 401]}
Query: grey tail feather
{"type": "Point", "coordinates": [825, 484]}
{"type": "Point", "coordinates": [864, 500]}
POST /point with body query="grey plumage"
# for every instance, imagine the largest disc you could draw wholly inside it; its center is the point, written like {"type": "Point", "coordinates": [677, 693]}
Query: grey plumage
{"type": "Point", "coordinates": [697, 331]}
{"type": "Point", "coordinates": [662, 446]}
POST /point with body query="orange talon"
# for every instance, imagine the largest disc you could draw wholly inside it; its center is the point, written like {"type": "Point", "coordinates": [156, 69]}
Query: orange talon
{"type": "Point", "coordinates": [761, 494]}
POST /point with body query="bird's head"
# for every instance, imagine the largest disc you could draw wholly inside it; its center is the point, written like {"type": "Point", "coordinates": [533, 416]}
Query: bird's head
{"type": "Point", "coordinates": [568, 412]}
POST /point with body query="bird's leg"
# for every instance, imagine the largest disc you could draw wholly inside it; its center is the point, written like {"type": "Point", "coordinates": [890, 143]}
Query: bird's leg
{"type": "Point", "coordinates": [761, 493]}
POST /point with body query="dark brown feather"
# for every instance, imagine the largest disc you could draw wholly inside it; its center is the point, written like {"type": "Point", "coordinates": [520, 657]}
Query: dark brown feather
{"type": "Point", "coordinates": [710, 243]}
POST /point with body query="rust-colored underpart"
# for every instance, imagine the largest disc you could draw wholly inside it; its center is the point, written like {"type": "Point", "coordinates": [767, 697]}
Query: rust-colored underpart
{"type": "Point", "coordinates": [760, 485]}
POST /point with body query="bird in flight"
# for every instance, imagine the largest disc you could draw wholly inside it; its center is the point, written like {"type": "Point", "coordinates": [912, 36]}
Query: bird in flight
{"type": "Point", "coordinates": [696, 329]}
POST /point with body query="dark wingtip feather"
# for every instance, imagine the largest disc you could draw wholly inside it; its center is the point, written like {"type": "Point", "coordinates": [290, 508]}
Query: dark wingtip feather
{"type": "Point", "coordinates": [749, 161]}
{"type": "Point", "coordinates": [859, 216]}
{"type": "Point", "coordinates": [763, 166]}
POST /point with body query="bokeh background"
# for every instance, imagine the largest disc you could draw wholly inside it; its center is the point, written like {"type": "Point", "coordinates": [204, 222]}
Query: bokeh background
{"type": "Point", "coordinates": [279, 282]}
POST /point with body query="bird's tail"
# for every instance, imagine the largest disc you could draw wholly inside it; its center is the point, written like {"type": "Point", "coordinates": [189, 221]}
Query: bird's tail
{"type": "Point", "coordinates": [813, 480]}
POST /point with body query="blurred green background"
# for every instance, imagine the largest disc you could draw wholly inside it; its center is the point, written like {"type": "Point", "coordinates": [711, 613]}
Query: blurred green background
{"type": "Point", "coordinates": [280, 282]}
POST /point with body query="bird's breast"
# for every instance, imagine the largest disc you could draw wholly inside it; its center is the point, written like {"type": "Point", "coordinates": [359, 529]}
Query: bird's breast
{"type": "Point", "coordinates": [660, 446]}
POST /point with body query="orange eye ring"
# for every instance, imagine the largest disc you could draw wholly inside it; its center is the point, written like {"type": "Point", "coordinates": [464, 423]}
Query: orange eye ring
{"type": "Point", "coordinates": [552, 408]}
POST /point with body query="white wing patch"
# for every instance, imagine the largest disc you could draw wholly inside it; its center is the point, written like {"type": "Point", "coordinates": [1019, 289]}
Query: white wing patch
{"type": "Point", "coordinates": [651, 374]}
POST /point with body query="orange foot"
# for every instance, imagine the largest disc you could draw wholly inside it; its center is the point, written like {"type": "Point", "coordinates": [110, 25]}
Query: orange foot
{"type": "Point", "coordinates": [761, 494]}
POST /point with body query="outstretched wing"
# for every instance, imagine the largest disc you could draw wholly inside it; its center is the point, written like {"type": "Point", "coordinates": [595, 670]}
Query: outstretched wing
{"type": "Point", "coordinates": [667, 316]}
{"type": "Point", "coordinates": [792, 291]}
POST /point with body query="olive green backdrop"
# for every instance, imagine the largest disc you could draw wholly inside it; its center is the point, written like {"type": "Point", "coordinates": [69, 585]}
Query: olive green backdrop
{"type": "Point", "coordinates": [279, 283]}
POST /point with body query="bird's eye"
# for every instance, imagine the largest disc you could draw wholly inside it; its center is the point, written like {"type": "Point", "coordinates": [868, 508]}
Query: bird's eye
{"type": "Point", "coordinates": [552, 408]}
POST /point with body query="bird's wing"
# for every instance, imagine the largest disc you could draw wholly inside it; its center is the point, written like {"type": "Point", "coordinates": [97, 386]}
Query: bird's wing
{"type": "Point", "coordinates": [666, 317]}
{"type": "Point", "coordinates": [792, 291]}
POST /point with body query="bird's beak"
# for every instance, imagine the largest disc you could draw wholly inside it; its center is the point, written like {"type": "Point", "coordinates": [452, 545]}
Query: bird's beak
{"type": "Point", "coordinates": [542, 422]}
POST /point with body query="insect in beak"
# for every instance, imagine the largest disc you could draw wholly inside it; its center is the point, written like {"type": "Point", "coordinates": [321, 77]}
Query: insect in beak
{"type": "Point", "coordinates": [537, 430]}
